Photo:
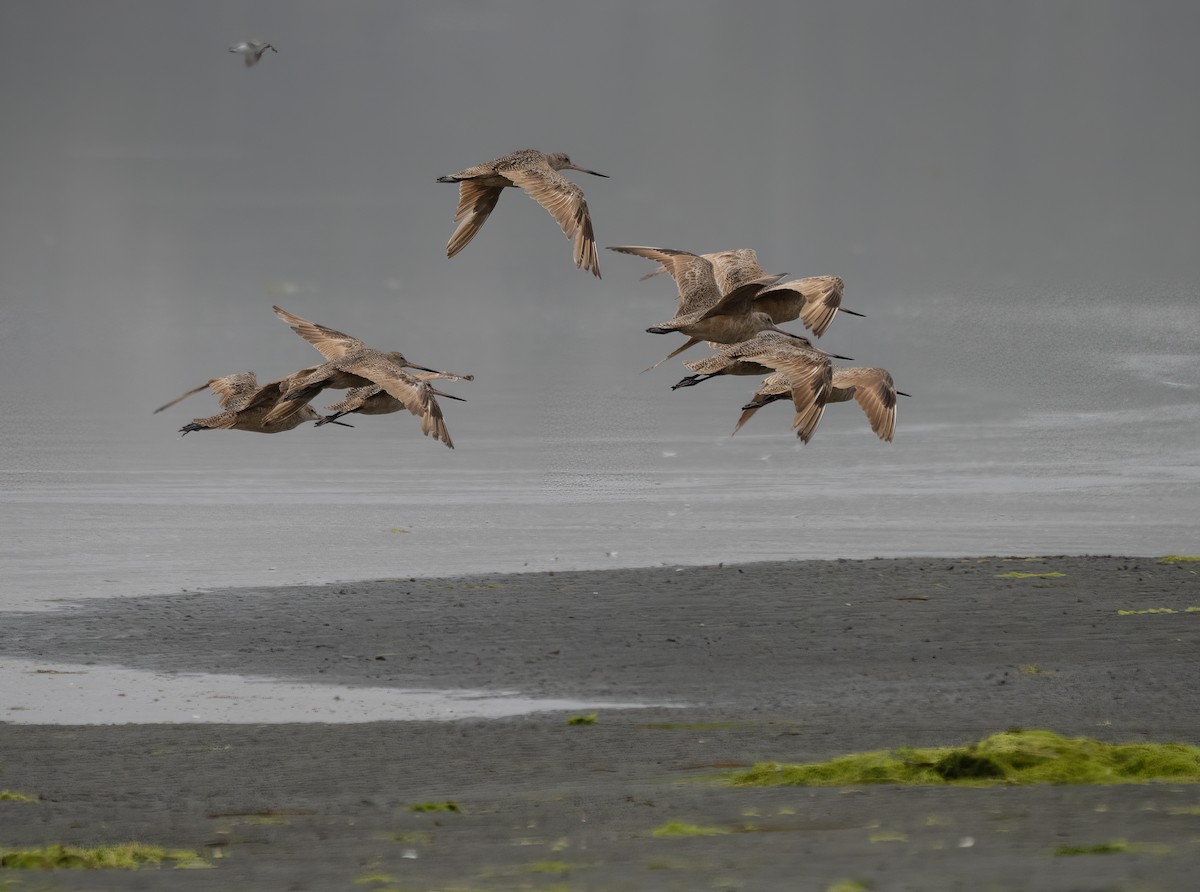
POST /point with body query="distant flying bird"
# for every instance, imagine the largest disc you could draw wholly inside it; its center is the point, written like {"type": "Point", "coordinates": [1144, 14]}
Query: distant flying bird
{"type": "Point", "coordinates": [352, 364]}
{"type": "Point", "coordinates": [702, 312]}
{"type": "Point", "coordinates": [252, 50]}
{"type": "Point", "coordinates": [814, 300]}
{"type": "Point", "coordinates": [246, 405]}
{"type": "Point", "coordinates": [538, 174]}
{"type": "Point", "coordinates": [872, 389]}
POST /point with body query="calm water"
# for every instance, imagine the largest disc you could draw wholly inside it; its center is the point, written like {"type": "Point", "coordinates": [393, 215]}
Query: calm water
{"type": "Point", "coordinates": [103, 695]}
{"type": "Point", "coordinates": [639, 478]}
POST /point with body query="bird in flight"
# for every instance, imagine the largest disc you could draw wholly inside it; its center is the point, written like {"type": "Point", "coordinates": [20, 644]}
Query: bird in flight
{"type": "Point", "coordinates": [479, 189]}
{"type": "Point", "coordinates": [252, 51]}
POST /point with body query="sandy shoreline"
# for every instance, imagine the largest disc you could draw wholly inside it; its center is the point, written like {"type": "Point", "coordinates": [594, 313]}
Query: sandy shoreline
{"type": "Point", "coordinates": [789, 661]}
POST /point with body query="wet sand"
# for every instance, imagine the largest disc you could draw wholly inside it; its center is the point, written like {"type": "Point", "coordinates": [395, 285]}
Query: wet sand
{"type": "Point", "coordinates": [783, 661]}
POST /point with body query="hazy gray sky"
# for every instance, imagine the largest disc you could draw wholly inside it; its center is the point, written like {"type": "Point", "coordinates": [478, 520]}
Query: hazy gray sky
{"type": "Point", "coordinates": [157, 196]}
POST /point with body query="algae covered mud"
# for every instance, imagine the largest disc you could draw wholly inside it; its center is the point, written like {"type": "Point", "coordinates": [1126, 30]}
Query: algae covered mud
{"type": "Point", "coordinates": [779, 663]}
{"type": "Point", "coordinates": [1017, 756]}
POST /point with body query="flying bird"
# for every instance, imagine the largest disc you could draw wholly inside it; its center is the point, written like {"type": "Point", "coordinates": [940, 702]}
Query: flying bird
{"type": "Point", "coordinates": [702, 312]}
{"type": "Point", "coordinates": [374, 400]}
{"type": "Point", "coordinates": [252, 51]}
{"type": "Point", "coordinates": [872, 389]}
{"type": "Point", "coordinates": [731, 359]}
{"type": "Point", "coordinates": [246, 405]}
{"type": "Point", "coordinates": [538, 174]}
{"type": "Point", "coordinates": [814, 300]}
{"type": "Point", "coordinates": [352, 364]}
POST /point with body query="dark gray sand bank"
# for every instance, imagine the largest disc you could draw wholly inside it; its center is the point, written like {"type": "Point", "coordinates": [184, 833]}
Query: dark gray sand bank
{"type": "Point", "coordinates": [775, 661]}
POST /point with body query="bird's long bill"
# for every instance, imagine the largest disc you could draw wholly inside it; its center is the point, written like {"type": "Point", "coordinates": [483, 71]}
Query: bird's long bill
{"type": "Point", "coordinates": [834, 355]}
{"type": "Point", "coordinates": [585, 170]}
{"type": "Point", "coordinates": [810, 344]}
{"type": "Point", "coordinates": [792, 334]}
{"type": "Point", "coordinates": [851, 312]}
{"type": "Point", "coordinates": [444, 374]}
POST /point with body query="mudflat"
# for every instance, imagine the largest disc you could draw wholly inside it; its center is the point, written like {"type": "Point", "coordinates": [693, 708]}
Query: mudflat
{"type": "Point", "coordinates": [784, 661]}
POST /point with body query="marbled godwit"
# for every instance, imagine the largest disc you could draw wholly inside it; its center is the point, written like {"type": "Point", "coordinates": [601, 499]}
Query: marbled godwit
{"type": "Point", "coordinates": [352, 364]}
{"type": "Point", "coordinates": [376, 401]}
{"type": "Point", "coordinates": [538, 174]}
{"type": "Point", "coordinates": [702, 312]}
{"type": "Point", "coordinates": [806, 375]}
{"type": "Point", "coordinates": [872, 389]}
{"type": "Point", "coordinates": [730, 359]}
{"type": "Point", "coordinates": [814, 300]}
{"type": "Point", "coordinates": [252, 50]}
{"type": "Point", "coordinates": [247, 405]}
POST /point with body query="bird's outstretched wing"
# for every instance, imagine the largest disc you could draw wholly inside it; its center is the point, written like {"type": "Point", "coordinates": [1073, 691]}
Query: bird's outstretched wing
{"type": "Point", "coordinates": [565, 202]}
{"type": "Point", "coordinates": [475, 203]}
{"type": "Point", "coordinates": [332, 343]}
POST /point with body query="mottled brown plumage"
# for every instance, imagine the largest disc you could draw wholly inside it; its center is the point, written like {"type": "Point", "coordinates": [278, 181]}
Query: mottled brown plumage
{"type": "Point", "coordinates": [374, 400]}
{"type": "Point", "coordinates": [731, 359]}
{"type": "Point", "coordinates": [479, 189]}
{"type": "Point", "coordinates": [702, 312]}
{"type": "Point", "coordinates": [233, 391]}
{"type": "Point", "coordinates": [352, 364]}
{"type": "Point", "coordinates": [695, 277]}
{"type": "Point", "coordinates": [814, 300]}
{"type": "Point", "coordinates": [872, 389]}
{"type": "Point", "coordinates": [247, 406]}
{"type": "Point", "coordinates": [807, 375]}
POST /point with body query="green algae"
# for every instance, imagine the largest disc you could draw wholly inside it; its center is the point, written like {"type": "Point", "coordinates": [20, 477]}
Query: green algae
{"type": "Point", "coordinates": [849, 886]}
{"type": "Point", "coordinates": [589, 719]}
{"type": "Point", "coordinates": [1034, 669]}
{"type": "Point", "coordinates": [1179, 559]}
{"type": "Point", "coordinates": [1098, 849]}
{"type": "Point", "coordinates": [1103, 848]}
{"type": "Point", "coordinates": [675, 829]}
{"type": "Point", "coordinates": [127, 856]}
{"type": "Point", "coordinates": [14, 796]}
{"type": "Point", "coordinates": [1011, 757]}
{"type": "Point", "coordinates": [374, 879]}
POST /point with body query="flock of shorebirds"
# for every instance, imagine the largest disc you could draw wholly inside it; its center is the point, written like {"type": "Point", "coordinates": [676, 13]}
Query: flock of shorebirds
{"type": "Point", "coordinates": [725, 299]}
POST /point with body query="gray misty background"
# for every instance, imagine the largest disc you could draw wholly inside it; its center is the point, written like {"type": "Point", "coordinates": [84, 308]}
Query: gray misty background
{"type": "Point", "coordinates": [1010, 190]}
